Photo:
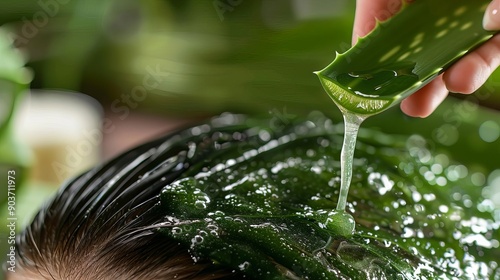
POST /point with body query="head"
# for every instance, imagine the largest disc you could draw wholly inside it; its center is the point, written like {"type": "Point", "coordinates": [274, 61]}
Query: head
{"type": "Point", "coordinates": [104, 225]}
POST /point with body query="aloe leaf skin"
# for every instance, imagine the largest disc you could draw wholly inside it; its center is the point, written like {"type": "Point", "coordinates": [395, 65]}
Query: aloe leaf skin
{"type": "Point", "coordinates": [404, 53]}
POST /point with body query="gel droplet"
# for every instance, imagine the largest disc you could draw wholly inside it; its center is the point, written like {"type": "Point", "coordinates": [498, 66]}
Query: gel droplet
{"type": "Point", "coordinates": [340, 223]}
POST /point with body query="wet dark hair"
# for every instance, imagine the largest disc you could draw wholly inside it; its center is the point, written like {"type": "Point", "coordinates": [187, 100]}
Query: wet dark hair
{"type": "Point", "coordinates": [103, 224]}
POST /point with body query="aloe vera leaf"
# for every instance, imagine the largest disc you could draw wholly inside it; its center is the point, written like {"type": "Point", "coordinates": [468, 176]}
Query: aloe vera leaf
{"type": "Point", "coordinates": [404, 53]}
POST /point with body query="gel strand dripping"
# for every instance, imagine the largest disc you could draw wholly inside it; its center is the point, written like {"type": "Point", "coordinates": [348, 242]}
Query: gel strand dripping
{"type": "Point", "coordinates": [339, 221]}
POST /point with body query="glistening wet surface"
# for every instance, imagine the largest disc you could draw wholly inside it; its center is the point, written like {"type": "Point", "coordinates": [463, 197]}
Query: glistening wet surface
{"type": "Point", "coordinates": [374, 83]}
{"type": "Point", "coordinates": [259, 201]}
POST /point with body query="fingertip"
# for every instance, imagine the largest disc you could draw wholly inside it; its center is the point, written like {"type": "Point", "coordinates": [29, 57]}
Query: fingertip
{"type": "Point", "coordinates": [415, 108]}
{"type": "Point", "coordinates": [472, 71]}
{"type": "Point", "coordinates": [422, 103]}
{"type": "Point", "coordinates": [491, 19]}
{"type": "Point", "coordinates": [466, 76]}
{"type": "Point", "coordinates": [369, 11]}
{"type": "Point", "coordinates": [409, 108]}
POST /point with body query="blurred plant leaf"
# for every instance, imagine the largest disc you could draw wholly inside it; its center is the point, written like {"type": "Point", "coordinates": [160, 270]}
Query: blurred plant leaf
{"type": "Point", "coordinates": [14, 81]}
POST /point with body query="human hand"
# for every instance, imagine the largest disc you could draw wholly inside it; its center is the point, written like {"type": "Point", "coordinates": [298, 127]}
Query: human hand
{"type": "Point", "coordinates": [465, 76]}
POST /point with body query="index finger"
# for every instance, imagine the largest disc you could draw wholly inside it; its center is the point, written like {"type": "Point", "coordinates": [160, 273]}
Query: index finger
{"type": "Point", "coordinates": [368, 11]}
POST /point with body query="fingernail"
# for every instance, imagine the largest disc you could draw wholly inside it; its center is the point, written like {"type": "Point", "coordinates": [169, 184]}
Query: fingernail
{"type": "Point", "coordinates": [491, 19]}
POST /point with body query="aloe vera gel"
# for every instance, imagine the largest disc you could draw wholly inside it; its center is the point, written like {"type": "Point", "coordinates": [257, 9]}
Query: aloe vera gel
{"type": "Point", "coordinates": [340, 221]}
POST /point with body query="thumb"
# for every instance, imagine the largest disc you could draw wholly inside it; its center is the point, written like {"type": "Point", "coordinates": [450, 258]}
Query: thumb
{"type": "Point", "coordinates": [491, 20]}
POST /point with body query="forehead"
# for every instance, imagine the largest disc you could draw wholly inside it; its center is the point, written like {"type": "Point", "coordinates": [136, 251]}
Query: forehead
{"type": "Point", "coordinates": [22, 275]}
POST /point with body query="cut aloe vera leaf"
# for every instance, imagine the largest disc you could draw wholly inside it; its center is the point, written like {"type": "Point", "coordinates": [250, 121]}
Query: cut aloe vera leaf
{"type": "Point", "coordinates": [404, 53]}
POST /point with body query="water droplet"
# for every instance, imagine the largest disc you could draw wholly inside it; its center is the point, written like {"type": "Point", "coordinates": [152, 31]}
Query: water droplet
{"type": "Point", "coordinates": [419, 208]}
{"type": "Point", "coordinates": [196, 240]}
{"type": "Point", "coordinates": [202, 199]}
{"type": "Point", "coordinates": [489, 131]}
{"type": "Point", "coordinates": [416, 196]}
{"type": "Point", "coordinates": [443, 209]}
{"type": "Point", "coordinates": [437, 168]}
{"type": "Point", "coordinates": [244, 266]}
{"type": "Point", "coordinates": [200, 204]}
{"type": "Point", "coordinates": [478, 179]}
{"type": "Point", "coordinates": [441, 181]}
{"type": "Point", "coordinates": [429, 196]}
{"type": "Point", "coordinates": [176, 230]}
{"type": "Point", "coordinates": [264, 135]}
{"type": "Point", "coordinates": [381, 181]}
{"type": "Point", "coordinates": [239, 220]}
{"type": "Point", "coordinates": [310, 153]}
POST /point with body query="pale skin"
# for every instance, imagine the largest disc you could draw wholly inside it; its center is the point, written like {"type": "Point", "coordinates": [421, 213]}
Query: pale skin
{"type": "Point", "coordinates": [20, 275]}
{"type": "Point", "coordinates": [465, 76]}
